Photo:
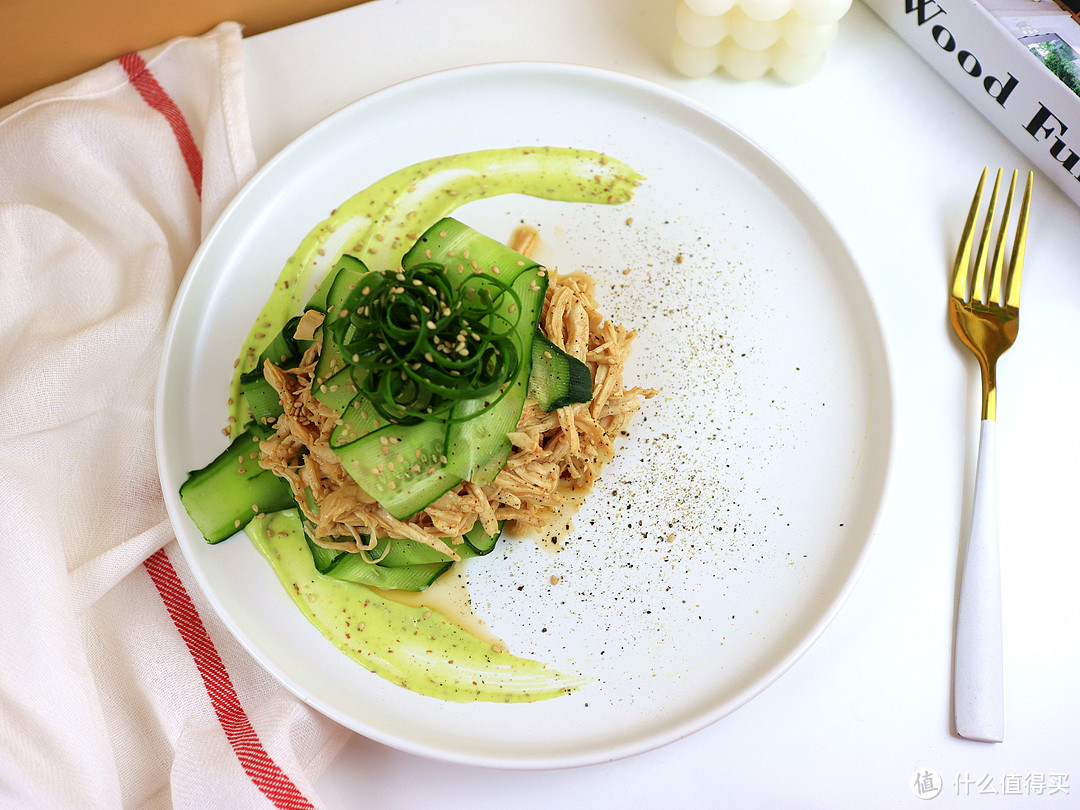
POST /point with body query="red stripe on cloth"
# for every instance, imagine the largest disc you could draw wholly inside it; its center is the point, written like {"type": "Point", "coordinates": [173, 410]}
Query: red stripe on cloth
{"type": "Point", "coordinates": [257, 764]}
{"type": "Point", "coordinates": [152, 93]}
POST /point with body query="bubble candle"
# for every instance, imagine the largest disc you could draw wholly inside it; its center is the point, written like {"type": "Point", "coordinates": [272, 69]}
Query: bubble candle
{"type": "Point", "coordinates": [747, 38]}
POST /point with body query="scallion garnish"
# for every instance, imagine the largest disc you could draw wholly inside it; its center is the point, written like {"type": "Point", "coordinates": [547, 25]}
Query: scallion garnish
{"type": "Point", "coordinates": [419, 344]}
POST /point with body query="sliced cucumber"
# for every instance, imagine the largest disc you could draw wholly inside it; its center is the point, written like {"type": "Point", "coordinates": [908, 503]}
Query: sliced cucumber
{"type": "Point", "coordinates": [480, 541]}
{"type": "Point", "coordinates": [346, 274]}
{"type": "Point", "coordinates": [227, 493]}
{"type": "Point", "coordinates": [402, 466]}
{"type": "Point", "coordinates": [262, 399]}
{"type": "Point", "coordinates": [357, 420]}
{"type": "Point", "coordinates": [354, 568]}
{"type": "Point", "coordinates": [398, 552]}
{"type": "Point", "coordinates": [477, 447]}
{"type": "Point", "coordinates": [464, 252]}
{"type": "Point", "coordinates": [263, 402]}
{"type": "Point", "coordinates": [558, 379]}
{"type": "Point", "coordinates": [326, 296]}
{"type": "Point", "coordinates": [337, 392]}
{"type": "Point", "coordinates": [323, 557]}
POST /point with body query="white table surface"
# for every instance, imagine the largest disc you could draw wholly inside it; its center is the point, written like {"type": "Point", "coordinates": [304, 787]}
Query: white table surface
{"type": "Point", "coordinates": [891, 153]}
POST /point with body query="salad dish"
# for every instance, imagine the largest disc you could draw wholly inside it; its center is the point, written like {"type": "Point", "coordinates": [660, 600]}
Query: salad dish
{"type": "Point", "coordinates": [636, 471]}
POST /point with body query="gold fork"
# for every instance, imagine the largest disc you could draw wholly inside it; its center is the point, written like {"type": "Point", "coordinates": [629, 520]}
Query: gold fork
{"type": "Point", "coordinates": [987, 320]}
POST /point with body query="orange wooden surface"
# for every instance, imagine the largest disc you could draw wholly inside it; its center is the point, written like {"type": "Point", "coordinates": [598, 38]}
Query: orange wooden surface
{"type": "Point", "coordinates": [46, 41]}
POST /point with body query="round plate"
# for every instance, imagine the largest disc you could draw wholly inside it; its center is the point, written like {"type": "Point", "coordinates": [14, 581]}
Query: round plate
{"type": "Point", "coordinates": [741, 507]}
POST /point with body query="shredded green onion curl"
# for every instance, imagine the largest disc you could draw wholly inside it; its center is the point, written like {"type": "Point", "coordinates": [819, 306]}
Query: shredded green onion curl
{"type": "Point", "coordinates": [418, 345]}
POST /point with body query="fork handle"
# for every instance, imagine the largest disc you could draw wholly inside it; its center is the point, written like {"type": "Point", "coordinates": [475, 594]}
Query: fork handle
{"type": "Point", "coordinates": [978, 689]}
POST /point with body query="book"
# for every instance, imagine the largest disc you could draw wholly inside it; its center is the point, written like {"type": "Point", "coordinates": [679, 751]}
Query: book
{"type": "Point", "coordinates": [1016, 61]}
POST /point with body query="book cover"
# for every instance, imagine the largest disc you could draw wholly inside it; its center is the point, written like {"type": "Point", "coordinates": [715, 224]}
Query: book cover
{"type": "Point", "coordinates": [1016, 61]}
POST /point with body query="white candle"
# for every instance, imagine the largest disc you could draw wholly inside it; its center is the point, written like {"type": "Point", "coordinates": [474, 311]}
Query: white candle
{"type": "Point", "coordinates": [748, 38]}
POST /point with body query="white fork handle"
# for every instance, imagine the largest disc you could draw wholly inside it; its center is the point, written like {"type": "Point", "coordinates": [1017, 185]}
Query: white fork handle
{"type": "Point", "coordinates": [978, 690]}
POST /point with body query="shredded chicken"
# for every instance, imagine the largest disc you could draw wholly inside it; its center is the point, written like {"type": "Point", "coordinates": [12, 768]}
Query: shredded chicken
{"type": "Point", "coordinates": [555, 455]}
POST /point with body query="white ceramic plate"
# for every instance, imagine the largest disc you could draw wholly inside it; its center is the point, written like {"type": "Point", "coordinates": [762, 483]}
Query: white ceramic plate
{"type": "Point", "coordinates": [741, 509]}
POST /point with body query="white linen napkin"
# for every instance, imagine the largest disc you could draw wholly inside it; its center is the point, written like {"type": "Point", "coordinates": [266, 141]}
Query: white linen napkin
{"type": "Point", "coordinates": [118, 684]}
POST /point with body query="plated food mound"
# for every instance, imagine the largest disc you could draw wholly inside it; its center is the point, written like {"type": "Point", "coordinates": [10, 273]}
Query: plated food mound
{"type": "Point", "coordinates": [411, 414]}
{"type": "Point", "coordinates": [557, 446]}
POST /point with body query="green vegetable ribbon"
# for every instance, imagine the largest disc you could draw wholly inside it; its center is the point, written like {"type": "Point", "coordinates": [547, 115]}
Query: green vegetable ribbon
{"type": "Point", "coordinates": [419, 344]}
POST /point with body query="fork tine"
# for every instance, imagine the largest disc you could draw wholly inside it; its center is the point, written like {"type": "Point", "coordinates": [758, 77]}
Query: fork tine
{"type": "Point", "coordinates": [978, 286]}
{"type": "Point", "coordinates": [1016, 265]}
{"type": "Point", "coordinates": [997, 271]}
{"type": "Point", "coordinates": [963, 253]}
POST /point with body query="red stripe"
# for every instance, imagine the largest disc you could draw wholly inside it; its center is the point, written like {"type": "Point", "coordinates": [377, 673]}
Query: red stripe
{"type": "Point", "coordinates": [257, 764]}
{"type": "Point", "coordinates": [152, 93]}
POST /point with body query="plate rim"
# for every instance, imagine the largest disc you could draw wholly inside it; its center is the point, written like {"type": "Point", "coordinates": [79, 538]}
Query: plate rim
{"type": "Point", "coordinates": [882, 389]}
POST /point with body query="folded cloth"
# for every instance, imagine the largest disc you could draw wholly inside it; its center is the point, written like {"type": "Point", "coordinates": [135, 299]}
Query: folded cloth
{"type": "Point", "coordinates": [119, 686]}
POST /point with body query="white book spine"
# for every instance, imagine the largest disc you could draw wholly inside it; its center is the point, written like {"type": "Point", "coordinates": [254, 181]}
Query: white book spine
{"type": "Point", "coordinates": [1000, 76]}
